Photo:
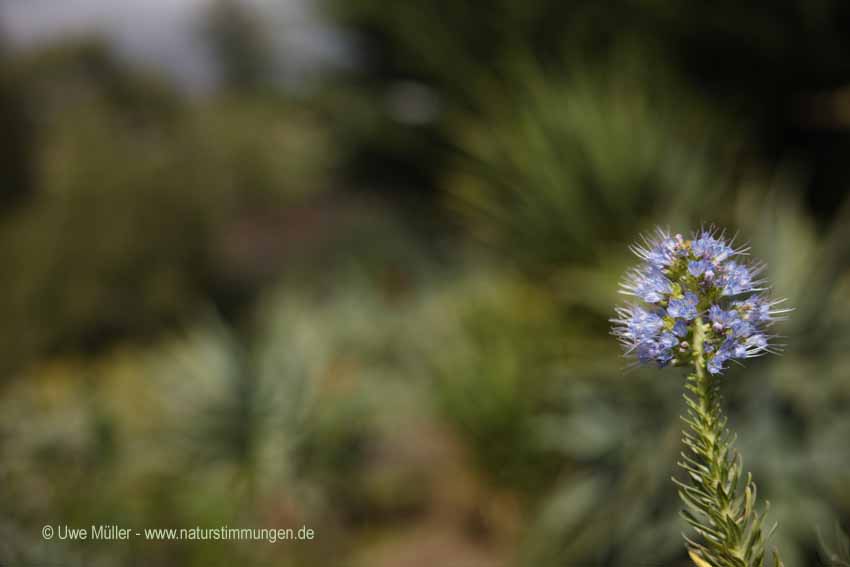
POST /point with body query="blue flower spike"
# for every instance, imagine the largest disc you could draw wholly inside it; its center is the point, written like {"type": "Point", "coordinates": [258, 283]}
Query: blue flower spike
{"type": "Point", "coordinates": [681, 282]}
{"type": "Point", "coordinates": [699, 302]}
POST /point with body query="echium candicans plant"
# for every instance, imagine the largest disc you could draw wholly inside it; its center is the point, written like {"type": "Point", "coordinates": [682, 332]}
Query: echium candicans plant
{"type": "Point", "coordinates": [699, 303]}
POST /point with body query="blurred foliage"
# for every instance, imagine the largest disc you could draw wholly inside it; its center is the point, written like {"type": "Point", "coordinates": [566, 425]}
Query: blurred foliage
{"type": "Point", "coordinates": [136, 192]}
{"type": "Point", "coordinates": [18, 166]}
{"type": "Point", "coordinates": [780, 72]}
{"type": "Point", "coordinates": [840, 554]}
{"type": "Point", "coordinates": [561, 168]}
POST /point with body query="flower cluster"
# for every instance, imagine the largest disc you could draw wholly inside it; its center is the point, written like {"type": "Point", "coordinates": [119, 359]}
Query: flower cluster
{"type": "Point", "coordinates": [682, 283]}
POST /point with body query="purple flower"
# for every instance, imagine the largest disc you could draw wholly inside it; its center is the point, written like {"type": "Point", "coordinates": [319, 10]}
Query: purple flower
{"type": "Point", "coordinates": [710, 248]}
{"type": "Point", "coordinates": [736, 279]}
{"type": "Point", "coordinates": [715, 363]}
{"type": "Point", "coordinates": [685, 308]}
{"type": "Point", "coordinates": [649, 284]}
{"type": "Point", "coordinates": [698, 267]}
{"type": "Point", "coordinates": [720, 318]}
{"type": "Point", "coordinates": [668, 340]}
{"type": "Point", "coordinates": [659, 251]}
{"type": "Point", "coordinates": [675, 278]}
{"type": "Point", "coordinates": [756, 344]}
{"type": "Point", "coordinates": [741, 328]}
{"type": "Point", "coordinates": [640, 332]}
{"type": "Point", "coordinates": [760, 310]}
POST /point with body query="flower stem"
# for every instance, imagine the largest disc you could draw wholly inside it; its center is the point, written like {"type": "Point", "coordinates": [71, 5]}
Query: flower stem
{"type": "Point", "coordinates": [730, 528]}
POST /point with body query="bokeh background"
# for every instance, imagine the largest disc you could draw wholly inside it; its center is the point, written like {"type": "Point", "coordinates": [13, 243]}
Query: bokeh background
{"type": "Point", "coordinates": [348, 264]}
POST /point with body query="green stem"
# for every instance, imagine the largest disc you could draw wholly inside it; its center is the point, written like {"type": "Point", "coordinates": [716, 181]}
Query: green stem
{"type": "Point", "coordinates": [701, 379]}
{"type": "Point", "coordinates": [710, 414]}
{"type": "Point", "coordinates": [730, 529]}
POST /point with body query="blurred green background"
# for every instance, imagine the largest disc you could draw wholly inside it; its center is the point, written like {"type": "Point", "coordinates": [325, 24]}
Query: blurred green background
{"type": "Point", "coordinates": [369, 293]}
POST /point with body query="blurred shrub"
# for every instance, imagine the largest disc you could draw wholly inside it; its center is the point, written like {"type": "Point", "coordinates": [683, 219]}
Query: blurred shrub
{"type": "Point", "coordinates": [416, 64]}
{"type": "Point", "coordinates": [463, 47]}
{"type": "Point", "coordinates": [142, 201]}
{"type": "Point", "coordinates": [490, 354]}
{"type": "Point", "coordinates": [280, 421]}
{"type": "Point", "coordinates": [781, 70]}
{"type": "Point", "coordinates": [561, 167]}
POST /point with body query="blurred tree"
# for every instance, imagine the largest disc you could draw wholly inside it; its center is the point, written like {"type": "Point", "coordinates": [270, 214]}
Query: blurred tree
{"type": "Point", "coordinates": [239, 45]}
{"type": "Point", "coordinates": [461, 55]}
{"type": "Point", "coordinates": [82, 71]}
{"type": "Point", "coordinates": [17, 168]}
{"type": "Point", "coordinates": [779, 70]}
{"type": "Point", "coordinates": [145, 206]}
{"type": "Point", "coordinates": [784, 68]}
